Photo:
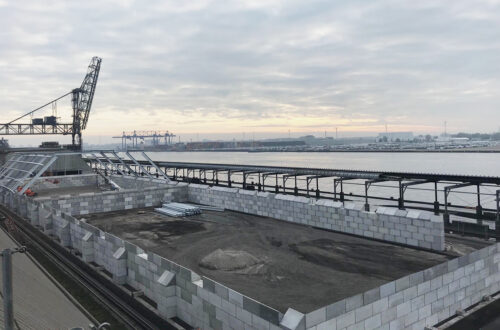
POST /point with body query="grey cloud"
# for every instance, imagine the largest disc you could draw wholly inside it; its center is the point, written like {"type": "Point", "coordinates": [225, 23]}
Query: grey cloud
{"type": "Point", "coordinates": [419, 62]}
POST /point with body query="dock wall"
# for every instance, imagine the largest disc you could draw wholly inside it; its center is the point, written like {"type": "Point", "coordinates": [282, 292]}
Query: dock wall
{"type": "Point", "coordinates": [414, 228]}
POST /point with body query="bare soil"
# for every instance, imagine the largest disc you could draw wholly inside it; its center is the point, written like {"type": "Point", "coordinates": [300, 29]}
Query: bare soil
{"type": "Point", "coordinates": [301, 267]}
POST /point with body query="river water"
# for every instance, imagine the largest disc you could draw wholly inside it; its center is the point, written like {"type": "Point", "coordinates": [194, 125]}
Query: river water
{"type": "Point", "coordinates": [487, 164]}
{"type": "Point", "coordinates": [443, 163]}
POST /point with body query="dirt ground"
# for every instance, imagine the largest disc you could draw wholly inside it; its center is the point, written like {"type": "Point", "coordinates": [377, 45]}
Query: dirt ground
{"type": "Point", "coordinates": [300, 267]}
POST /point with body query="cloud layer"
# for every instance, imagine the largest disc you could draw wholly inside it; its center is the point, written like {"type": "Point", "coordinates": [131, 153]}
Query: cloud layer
{"type": "Point", "coordinates": [230, 66]}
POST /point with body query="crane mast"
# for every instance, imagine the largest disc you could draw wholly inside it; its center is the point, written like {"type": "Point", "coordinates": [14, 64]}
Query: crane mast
{"type": "Point", "coordinates": [82, 101]}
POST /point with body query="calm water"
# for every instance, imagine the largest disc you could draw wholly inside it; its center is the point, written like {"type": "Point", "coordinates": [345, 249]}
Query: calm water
{"type": "Point", "coordinates": [444, 163]}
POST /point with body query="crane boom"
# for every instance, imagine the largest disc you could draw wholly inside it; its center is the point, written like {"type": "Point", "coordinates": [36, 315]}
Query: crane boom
{"type": "Point", "coordinates": [82, 100]}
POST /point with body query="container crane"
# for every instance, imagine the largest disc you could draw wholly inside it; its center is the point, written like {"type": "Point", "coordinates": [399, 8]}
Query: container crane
{"type": "Point", "coordinates": [81, 101]}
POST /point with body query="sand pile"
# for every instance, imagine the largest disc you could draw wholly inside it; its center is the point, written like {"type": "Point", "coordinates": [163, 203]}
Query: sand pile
{"type": "Point", "coordinates": [232, 260]}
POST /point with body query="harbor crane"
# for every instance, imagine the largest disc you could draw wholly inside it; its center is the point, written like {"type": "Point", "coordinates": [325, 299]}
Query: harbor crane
{"type": "Point", "coordinates": [81, 101]}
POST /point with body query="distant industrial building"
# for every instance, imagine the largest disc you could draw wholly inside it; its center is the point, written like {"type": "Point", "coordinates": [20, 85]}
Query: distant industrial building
{"type": "Point", "coordinates": [395, 136]}
{"type": "Point", "coordinates": [242, 144]}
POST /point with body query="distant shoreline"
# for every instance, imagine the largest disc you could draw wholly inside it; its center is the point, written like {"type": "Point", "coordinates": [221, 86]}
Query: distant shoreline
{"type": "Point", "coordinates": [323, 151]}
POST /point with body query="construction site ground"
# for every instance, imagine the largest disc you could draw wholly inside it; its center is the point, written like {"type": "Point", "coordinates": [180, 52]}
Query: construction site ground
{"type": "Point", "coordinates": [290, 265]}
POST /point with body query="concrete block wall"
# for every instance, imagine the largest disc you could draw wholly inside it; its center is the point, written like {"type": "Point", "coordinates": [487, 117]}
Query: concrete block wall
{"type": "Point", "coordinates": [87, 203]}
{"type": "Point", "coordinates": [201, 302]}
{"type": "Point", "coordinates": [65, 181]}
{"type": "Point", "coordinates": [131, 182]}
{"type": "Point", "coordinates": [419, 300]}
{"type": "Point", "coordinates": [412, 302]}
{"type": "Point", "coordinates": [61, 229]}
{"type": "Point", "coordinates": [45, 220]}
{"type": "Point", "coordinates": [415, 228]}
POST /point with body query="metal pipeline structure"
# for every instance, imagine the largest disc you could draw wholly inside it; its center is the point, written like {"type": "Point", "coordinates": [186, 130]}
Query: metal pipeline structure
{"type": "Point", "coordinates": [305, 181]}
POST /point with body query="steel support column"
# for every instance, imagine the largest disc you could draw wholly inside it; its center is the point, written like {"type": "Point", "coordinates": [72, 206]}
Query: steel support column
{"type": "Point", "coordinates": [479, 208]}
{"type": "Point", "coordinates": [405, 185]}
{"type": "Point", "coordinates": [368, 184]}
{"type": "Point", "coordinates": [341, 182]}
{"type": "Point", "coordinates": [447, 191]}
{"type": "Point", "coordinates": [8, 301]}
{"type": "Point", "coordinates": [436, 200]}
{"type": "Point", "coordinates": [497, 222]}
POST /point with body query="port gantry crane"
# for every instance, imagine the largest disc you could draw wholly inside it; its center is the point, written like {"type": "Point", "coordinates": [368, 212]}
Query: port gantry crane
{"type": "Point", "coordinates": [81, 101]}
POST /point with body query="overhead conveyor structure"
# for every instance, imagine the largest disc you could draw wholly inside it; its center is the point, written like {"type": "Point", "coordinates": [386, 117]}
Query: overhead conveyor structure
{"type": "Point", "coordinates": [279, 179]}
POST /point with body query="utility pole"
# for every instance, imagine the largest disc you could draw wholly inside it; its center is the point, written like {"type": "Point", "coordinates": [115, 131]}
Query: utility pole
{"type": "Point", "coordinates": [8, 300]}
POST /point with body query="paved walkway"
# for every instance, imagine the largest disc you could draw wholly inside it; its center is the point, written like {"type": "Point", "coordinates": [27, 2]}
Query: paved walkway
{"type": "Point", "coordinates": [38, 302]}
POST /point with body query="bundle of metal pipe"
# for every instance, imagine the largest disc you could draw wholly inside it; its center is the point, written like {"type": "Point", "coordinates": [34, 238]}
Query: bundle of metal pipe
{"type": "Point", "coordinates": [178, 209]}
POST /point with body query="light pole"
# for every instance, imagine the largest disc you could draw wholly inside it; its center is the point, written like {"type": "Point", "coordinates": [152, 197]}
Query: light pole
{"type": "Point", "coordinates": [8, 305]}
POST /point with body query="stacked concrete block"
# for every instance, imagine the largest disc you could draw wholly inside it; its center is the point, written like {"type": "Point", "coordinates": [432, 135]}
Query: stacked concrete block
{"type": "Point", "coordinates": [200, 302]}
{"type": "Point", "coordinates": [65, 181]}
{"type": "Point", "coordinates": [8, 200]}
{"type": "Point", "coordinates": [211, 305]}
{"type": "Point", "coordinates": [119, 266]}
{"type": "Point", "coordinates": [106, 248]}
{"type": "Point", "coordinates": [294, 320]}
{"type": "Point", "coordinates": [140, 274]}
{"type": "Point", "coordinates": [87, 247]}
{"type": "Point", "coordinates": [76, 232]}
{"type": "Point", "coordinates": [413, 228]}
{"type": "Point", "coordinates": [130, 182]}
{"type": "Point", "coordinates": [45, 220]}
{"type": "Point", "coordinates": [22, 206]}
{"type": "Point", "coordinates": [165, 294]}
{"type": "Point", "coordinates": [419, 300]}
{"type": "Point", "coordinates": [87, 203]}
{"type": "Point", "coordinates": [33, 213]}
{"type": "Point", "coordinates": [62, 229]}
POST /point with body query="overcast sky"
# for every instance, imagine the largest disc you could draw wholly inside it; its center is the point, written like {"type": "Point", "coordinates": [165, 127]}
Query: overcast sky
{"type": "Point", "coordinates": [205, 67]}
